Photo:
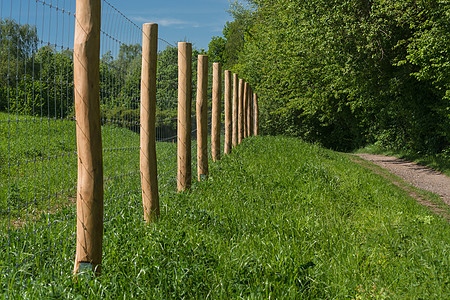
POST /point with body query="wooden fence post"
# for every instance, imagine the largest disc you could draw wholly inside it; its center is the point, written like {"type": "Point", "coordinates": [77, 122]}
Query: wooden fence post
{"type": "Point", "coordinates": [255, 104]}
{"type": "Point", "coordinates": [86, 57]}
{"type": "Point", "coordinates": [228, 112]}
{"type": "Point", "coordinates": [149, 175]}
{"type": "Point", "coordinates": [184, 173]}
{"type": "Point", "coordinates": [202, 116]}
{"type": "Point", "coordinates": [235, 109]}
{"type": "Point", "coordinates": [245, 116]}
{"type": "Point", "coordinates": [216, 111]}
{"type": "Point", "coordinates": [250, 112]}
{"type": "Point", "coordinates": [241, 111]}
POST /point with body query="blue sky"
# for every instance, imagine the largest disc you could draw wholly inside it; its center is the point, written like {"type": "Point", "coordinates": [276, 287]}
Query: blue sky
{"type": "Point", "coordinates": [195, 21]}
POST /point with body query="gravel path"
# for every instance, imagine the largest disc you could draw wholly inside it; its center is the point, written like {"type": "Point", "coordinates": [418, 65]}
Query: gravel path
{"type": "Point", "coordinates": [417, 175]}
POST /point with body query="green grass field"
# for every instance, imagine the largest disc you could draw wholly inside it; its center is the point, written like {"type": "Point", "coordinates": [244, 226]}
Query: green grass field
{"type": "Point", "coordinates": [278, 218]}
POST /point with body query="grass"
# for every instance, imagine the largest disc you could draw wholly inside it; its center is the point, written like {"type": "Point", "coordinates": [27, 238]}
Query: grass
{"type": "Point", "coordinates": [439, 162]}
{"type": "Point", "coordinates": [433, 201]}
{"type": "Point", "coordinates": [38, 164]}
{"type": "Point", "coordinates": [278, 218]}
{"type": "Point", "coordinates": [38, 187]}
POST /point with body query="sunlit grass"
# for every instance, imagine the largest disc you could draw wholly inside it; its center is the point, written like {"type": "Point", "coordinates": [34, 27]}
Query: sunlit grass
{"type": "Point", "coordinates": [278, 218]}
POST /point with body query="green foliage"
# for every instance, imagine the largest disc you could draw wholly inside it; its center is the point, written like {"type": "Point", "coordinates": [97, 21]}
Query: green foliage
{"type": "Point", "coordinates": [429, 50]}
{"type": "Point", "coordinates": [167, 78]}
{"type": "Point", "coordinates": [48, 92]}
{"type": "Point", "coordinates": [216, 49]}
{"type": "Point", "coordinates": [226, 49]}
{"type": "Point", "coordinates": [349, 73]}
{"type": "Point", "coordinates": [234, 33]}
{"type": "Point", "coordinates": [120, 88]}
{"type": "Point", "coordinates": [39, 82]}
{"type": "Point", "coordinates": [34, 81]}
{"type": "Point", "coordinates": [17, 44]}
{"type": "Point", "coordinates": [120, 78]}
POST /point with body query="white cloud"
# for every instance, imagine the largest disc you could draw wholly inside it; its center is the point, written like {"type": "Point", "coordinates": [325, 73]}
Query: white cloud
{"type": "Point", "coordinates": [166, 21]}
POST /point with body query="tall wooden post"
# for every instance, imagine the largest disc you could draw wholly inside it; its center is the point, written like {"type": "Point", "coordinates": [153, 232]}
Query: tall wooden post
{"type": "Point", "coordinates": [255, 104]}
{"type": "Point", "coordinates": [149, 175]}
{"type": "Point", "coordinates": [202, 116]}
{"type": "Point", "coordinates": [235, 109]}
{"type": "Point", "coordinates": [184, 173]}
{"type": "Point", "coordinates": [241, 111]}
{"type": "Point", "coordinates": [245, 116]}
{"type": "Point", "coordinates": [216, 111]}
{"type": "Point", "coordinates": [86, 57]}
{"type": "Point", "coordinates": [228, 112]}
{"type": "Point", "coordinates": [249, 112]}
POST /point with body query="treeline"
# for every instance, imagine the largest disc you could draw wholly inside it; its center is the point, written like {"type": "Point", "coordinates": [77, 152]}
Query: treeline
{"type": "Point", "coordinates": [346, 73]}
{"type": "Point", "coordinates": [120, 80]}
{"type": "Point", "coordinates": [38, 81]}
{"type": "Point", "coordinates": [33, 81]}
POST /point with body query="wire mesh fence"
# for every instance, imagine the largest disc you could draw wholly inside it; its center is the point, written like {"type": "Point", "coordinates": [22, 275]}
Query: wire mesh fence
{"type": "Point", "coordinates": [38, 152]}
{"type": "Point", "coordinates": [166, 116]}
{"type": "Point", "coordinates": [37, 135]}
{"type": "Point", "coordinates": [120, 73]}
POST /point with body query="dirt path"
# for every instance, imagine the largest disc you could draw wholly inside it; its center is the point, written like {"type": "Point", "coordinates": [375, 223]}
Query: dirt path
{"type": "Point", "coordinates": [416, 175]}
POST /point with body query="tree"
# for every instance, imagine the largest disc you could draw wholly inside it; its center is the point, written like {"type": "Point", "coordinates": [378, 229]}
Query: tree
{"type": "Point", "coordinates": [17, 45]}
{"type": "Point", "coordinates": [346, 73]}
{"type": "Point", "coordinates": [226, 49]}
{"type": "Point", "coordinates": [234, 33]}
{"type": "Point", "coordinates": [34, 81]}
{"type": "Point", "coordinates": [167, 78]}
{"type": "Point", "coordinates": [216, 49]}
{"type": "Point", "coordinates": [429, 50]}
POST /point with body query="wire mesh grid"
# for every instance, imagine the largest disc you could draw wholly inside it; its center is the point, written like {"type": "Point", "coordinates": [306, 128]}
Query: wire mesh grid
{"type": "Point", "coordinates": [37, 135]}
{"type": "Point", "coordinates": [120, 75]}
{"type": "Point", "coordinates": [166, 116]}
{"type": "Point", "coordinates": [38, 159]}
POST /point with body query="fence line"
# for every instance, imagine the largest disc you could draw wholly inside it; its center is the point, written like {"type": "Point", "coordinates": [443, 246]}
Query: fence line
{"type": "Point", "coordinates": [38, 155]}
